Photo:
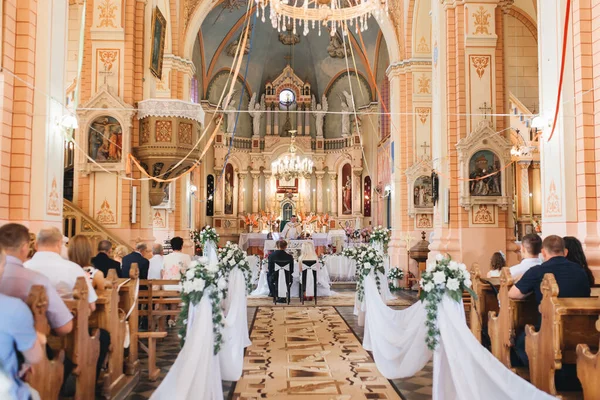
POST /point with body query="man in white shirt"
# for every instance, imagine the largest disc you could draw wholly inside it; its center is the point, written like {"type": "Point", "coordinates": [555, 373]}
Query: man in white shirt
{"type": "Point", "coordinates": [62, 273]}
{"type": "Point", "coordinates": [156, 262]}
{"type": "Point", "coordinates": [175, 263]}
{"type": "Point", "coordinates": [531, 246]}
{"type": "Point", "coordinates": [292, 229]}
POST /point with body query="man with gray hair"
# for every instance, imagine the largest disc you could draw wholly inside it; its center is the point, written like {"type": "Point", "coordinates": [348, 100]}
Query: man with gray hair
{"type": "Point", "coordinates": [103, 260]}
{"type": "Point", "coordinates": [62, 273]}
{"type": "Point", "coordinates": [156, 262]}
{"type": "Point", "coordinates": [139, 256]}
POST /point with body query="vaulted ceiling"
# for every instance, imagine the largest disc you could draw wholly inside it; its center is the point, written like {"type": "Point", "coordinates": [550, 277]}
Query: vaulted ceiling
{"type": "Point", "coordinates": [268, 56]}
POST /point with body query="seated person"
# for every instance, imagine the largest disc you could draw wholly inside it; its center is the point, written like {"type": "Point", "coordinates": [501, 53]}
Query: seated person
{"type": "Point", "coordinates": [280, 257]}
{"type": "Point", "coordinates": [17, 334]}
{"type": "Point", "coordinates": [572, 282]}
{"type": "Point", "coordinates": [292, 229]}
{"type": "Point", "coordinates": [496, 264]}
{"type": "Point", "coordinates": [176, 263]}
{"type": "Point", "coordinates": [531, 246]}
{"type": "Point", "coordinates": [103, 260]}
{"type": "Point", "coordinates": [574, 252]}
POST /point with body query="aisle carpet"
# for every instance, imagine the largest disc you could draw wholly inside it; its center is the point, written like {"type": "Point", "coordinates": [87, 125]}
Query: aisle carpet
{"type": "Point", "coordinates": [298, 352]}
{"type": "Point", "coordinates": [340, 299]}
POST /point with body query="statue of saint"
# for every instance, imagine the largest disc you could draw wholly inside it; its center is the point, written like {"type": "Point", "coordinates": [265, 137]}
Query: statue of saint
{"type": "Point", "coordinates": [256, 111]}
{"type": "Point", "coordinates": [319, 111]}
{"type": "Point", "coordinates": [228, 194]}
{"type": "Point", "coordinates": [348, 195]}
{"type": "Point", "coordinates": [347, 108]}
{"type": "Point", "coordinates": [230, 111]}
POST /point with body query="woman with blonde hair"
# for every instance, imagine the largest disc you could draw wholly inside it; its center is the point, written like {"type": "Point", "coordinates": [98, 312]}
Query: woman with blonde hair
{"type": "Point", "coordinates": [309, 262]}
{"type": "Point", "coordinates": [120, 252]}
{"type": "Point", "coordinates": [80, 252]}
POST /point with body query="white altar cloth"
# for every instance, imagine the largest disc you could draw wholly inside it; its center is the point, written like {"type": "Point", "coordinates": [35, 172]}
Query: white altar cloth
{"type": "Point", "coordinates": [340, 268]}
{"type": "Point", "coordinates": [259, 240]}
{"type": "Point", "coordinates": [270, 245]}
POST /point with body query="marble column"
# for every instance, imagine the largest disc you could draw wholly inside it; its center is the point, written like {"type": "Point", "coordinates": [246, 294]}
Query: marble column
{"type": "Point", "coordinates": [276, 122]}
{"type": "Point", "coordinates": [308, 203]}
{"type": "Point", "coordinates": [300, 118]}
{"type": "Point", "coordinates": [307, 121]}
{"type": "Point", "coordinates": [218, 196]}
{"type": "Point", "coordinates": [357, 192]}
{"type": "Point", "coordinates": [268, 192]}
{"type": "Point", "coordinates": [333, 194]}
{"type": "Point", "coordinates": [241, 193]}
{"type": "Point", "coordinates": [255, 194]}
{"type": "Point", "coordinates": [320, 175]}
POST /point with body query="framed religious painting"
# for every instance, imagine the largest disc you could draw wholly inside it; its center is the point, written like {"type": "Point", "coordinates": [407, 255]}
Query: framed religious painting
{"type": "Point", "coordinates": [228, 189]}
{"type": "Point", "coordinates": [105, 140]}
{"type": "Point", "coordinates": [287, 185]}
{"type": "Point", "coordinates": [346, 184]}
{"type": "Point", "coordinates": [484, 174]}
{"type": "Point", "coordinates": [159, 29]}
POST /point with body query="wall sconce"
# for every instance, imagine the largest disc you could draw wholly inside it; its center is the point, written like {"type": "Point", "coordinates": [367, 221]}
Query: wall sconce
{"type": "Point", "coordinates": [193, 189]}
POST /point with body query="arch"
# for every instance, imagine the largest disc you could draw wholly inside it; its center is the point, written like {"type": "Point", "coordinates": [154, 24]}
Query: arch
{"type": "Point", "coordinates": [227, 70]}
{"type": "Point", "coordinates": [525, 19]}
{"type": "Point", "coordinates": [360, 76]}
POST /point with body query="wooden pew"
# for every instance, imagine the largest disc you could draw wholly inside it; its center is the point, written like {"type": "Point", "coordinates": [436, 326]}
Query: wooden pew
{"type": "Point", "coordinates": [566, 323]}
{"type": "Point", "coordinates": [128, 301]}
{"type": "Point", "coordinates": [110, 317]}
{"type": "Point", "coordinates": [46, 376]}
{"type": "Point", "coordinates": [82, 348]}
{"type": "Point", "coordinates": [509, 322]}
{"type": "Point", "coordinates": [588, 369]}
{"type": "Point", "coordinates": [486, 301]}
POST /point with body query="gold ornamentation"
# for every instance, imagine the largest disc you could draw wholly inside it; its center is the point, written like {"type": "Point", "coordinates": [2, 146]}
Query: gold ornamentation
{"type": "Point", "coordinates": [53, 199]}
{"type": "Point", "coordinates": [480, 63]}
{"type": "Point", "coordinates": [144, 131]}
{"type": "Point", "coordinates": [424, 221]}
{"type": "Point", "coordinates": [108, 57]}
{"type": "Point", "coordinates": [483, 216]}
{"type": "Point", "coordinates": [163, 131]}
{"type": "Point", "coordinates": [423, 47]}
{"type": "Point", "coordinates": [423, 113]}
{"type": "Point", "coordinates": [185, 133]}
{"type": "Point", "coordinates": [424, 84]}
{"type": "Point", "coordinates": [105, 214]}
{"type": "Point", "coordinates": [107, 14]}
{"type": "Point", "coordinates": [482, 21]}
{"type": "Point", "coordinates": [553, 202]}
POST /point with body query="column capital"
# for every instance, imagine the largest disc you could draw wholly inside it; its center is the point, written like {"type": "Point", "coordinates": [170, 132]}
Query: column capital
{"type": "Point", "coordinates": [333, 176]}
{"type": "Point", "coordinates": [524, 164]}
{"type": "Point", "coordinates": [320, 174]}
{"type": "Point", "coordinates": [242, 175]}
{"type": "Point", "coordinates": [255, 174]}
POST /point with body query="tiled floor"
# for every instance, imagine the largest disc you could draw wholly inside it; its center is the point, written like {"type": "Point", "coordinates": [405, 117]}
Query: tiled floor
{"type": "Point", "coordinates": [417, 387]}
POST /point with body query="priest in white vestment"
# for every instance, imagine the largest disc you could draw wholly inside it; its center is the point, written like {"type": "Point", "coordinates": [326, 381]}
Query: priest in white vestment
{"type": "Point", "coordinates": [292, 229]}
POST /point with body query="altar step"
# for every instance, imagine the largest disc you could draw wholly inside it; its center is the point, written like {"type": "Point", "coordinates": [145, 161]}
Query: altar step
{"type": "Point", "coordinates": [343, 285]}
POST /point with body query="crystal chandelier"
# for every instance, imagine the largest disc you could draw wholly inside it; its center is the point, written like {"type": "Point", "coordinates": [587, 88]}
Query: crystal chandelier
{"type": "Point", "coordinates": [291, 166]}
{"type": "Point", "coordinates": [335, 13]}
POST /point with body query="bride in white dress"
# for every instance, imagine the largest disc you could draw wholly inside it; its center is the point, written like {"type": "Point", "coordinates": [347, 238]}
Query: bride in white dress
{"type": "Point", "coordinates": [323, 288]}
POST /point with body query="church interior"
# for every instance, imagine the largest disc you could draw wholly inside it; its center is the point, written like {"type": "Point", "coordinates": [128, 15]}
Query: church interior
{"type": "Point", "coordinates": [332, 176]}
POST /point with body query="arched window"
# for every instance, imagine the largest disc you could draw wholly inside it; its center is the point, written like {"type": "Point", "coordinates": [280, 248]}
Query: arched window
{"type": "Point", "coordinates": [367, 197]}
{"type": "Point", "coordinates": [210, 190]}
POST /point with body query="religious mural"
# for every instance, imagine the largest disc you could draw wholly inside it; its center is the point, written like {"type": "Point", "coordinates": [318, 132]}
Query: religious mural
{"type": "Point", "coordinates": [482, 164]}
{"type": "Point", "coordinates": [229, 189]}
{"type": "Point", "coordinates": [423, 192]}
{"type": "Point", "coordinates": [347, 189]}
{"type": "Point", "coordinates": [159, 28]}
{"type": "Point", "coordinates": [105, 139]}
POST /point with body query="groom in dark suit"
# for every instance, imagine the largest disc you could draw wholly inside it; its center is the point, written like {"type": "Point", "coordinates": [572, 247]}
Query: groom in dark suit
{"type": "Point", "coordinates": [281, 257]}
{"type": "Point", "coordinates": [138, 256]}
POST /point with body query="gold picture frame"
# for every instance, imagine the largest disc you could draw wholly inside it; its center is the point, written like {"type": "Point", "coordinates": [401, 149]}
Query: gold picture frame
{"type": "Point", "coordinates": [159, 28]}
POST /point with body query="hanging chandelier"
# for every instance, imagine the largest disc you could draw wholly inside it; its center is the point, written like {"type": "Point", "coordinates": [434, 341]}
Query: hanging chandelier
{"type": "Point", "coordinates": [291, 166]}
{"type": "Point", "coordinates": [335, 13]}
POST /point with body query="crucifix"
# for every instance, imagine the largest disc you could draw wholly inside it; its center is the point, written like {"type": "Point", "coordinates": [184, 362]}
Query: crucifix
{"type": "Point", "coordinates": [106, 73]}
{"type": "Point", "coordinates": [485, 109]}
{"type": "Point", "coordinates": [425, 147]}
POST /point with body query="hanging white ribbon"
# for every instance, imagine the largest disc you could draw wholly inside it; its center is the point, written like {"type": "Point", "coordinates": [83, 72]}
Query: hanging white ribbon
{"type": "Point", "coordinates": [281, 281]}
{"type": "Point", "coordinates": [310, 278]}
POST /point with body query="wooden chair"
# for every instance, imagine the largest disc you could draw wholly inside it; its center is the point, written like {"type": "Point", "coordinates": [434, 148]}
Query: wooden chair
{"type": "Point", "coordinates": [566, 323]}
{"type": "Point", "coordinates": [46, 376]}
{"type": "Point", "coordinates": [486, 301]}
{"type": "Point", "coordinates": [588, 369]}
{"type": "Point", "coordinates": [82, 348]}
{"type": "Point", "coordinates": [509, 322]}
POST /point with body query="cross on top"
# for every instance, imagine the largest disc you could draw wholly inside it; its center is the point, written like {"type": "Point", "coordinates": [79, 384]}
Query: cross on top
{"type": "Point", "coordinates": [485, 109]}
{"type": "Point", "coordinates": [425, 146]}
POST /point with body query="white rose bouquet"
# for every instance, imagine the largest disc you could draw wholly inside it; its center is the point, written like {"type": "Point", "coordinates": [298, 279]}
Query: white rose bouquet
{"type": "Point", "coordinates": [232, 256]}
{"type": "Point", "coordinates": [198, 281]}
{"type": "Point", "coordinates": [367, 260]}
{"type": "Point", "coordinates": [380, 234]}
{"type": "Point", "coordinates": [393, 276]}
{"type": "Point", "coordinates": [442, 277]}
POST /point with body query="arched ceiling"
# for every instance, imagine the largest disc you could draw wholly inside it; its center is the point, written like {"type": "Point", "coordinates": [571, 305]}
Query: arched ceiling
{"type": "Point", "coordinates": [309, 58]}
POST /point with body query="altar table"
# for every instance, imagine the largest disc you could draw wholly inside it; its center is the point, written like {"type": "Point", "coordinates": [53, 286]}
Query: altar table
{"type": "Point", "coordinates": [255, 243]}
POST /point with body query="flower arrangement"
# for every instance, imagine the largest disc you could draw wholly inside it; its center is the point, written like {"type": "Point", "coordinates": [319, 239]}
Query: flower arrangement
{"type": "Point", "coordinates": [393, 276]}
{"type": "Point", "coordinates": [251, 220]}
{"type": "Point", "coordinates": [206, 234]}
{"type": "Point", "coordinates": [367, 260]}
{"type": "Point", "coordinates": [381, 234]}
{"type": "Point", "coordinates": [201, 279]}
{"type": "Point", "coordinates": [350, 252]}
{"type": "Point", "coordinates": [323, 220]}
{"type": "Point", "coordinates": [445, 276]}
{"type": "Point", "coordinates": [232, 256]}
{"type": "Point", "coordinates": [365, 234]}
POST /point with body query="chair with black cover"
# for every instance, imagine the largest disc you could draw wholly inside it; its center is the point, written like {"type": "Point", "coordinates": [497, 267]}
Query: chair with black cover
{"type": "Point", "coordinates": [283, 276]}
{"type": "Point", "coordinates": [309, 278]}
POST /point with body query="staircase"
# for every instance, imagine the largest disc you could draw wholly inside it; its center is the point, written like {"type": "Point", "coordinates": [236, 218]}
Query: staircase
{"type": "Point", "coordinates": [77, 222]}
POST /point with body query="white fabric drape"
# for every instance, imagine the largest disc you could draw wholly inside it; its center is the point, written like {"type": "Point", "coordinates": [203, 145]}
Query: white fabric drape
{"type": "Point", "coordinates": [462, 370]}
{"type": "Point", "coordinates": [235, 333]}
{"type": "Point", "coordinates": [310, 279]}
{"type": "Point", "coordinates": [262, 289]}
{"type": "Point", "coordinates": [254, 262]}
{"type": "Point", "coordinates": [195, 375]}
{"type": "Point", "coordinates": [210, 251]}
{"type": "Point", "coordinates": [281, 281]}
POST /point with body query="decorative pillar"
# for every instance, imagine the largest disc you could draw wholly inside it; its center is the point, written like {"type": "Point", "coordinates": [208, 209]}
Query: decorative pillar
{"type": "Point", "coordinates": [357, 191]}
{"type": "Point", "coordinates": [307, 121]}
{"type": "Point", "coordinates": [308, 203]}
{"type": "Point", "coordinates": [299, 118]}
{"type": "Point", "coordinates": [219, 203]}
{"type": "Point", "coordinates": [276, 122]}
{"type": "Point", "coordinates": [241, 193]}
{"type": "Point", "coordinates": [268, 192]}
{"type": "Point", "coordinates": [333, 194]}
{"type": "Point", "coordinates": [269, 118]}
{"type": "Point", "coordinates": [524, 190]}
{"type": "Point", "coordinates": [320, 175]}
{"type": "Point", "coordinates": [255, 196]}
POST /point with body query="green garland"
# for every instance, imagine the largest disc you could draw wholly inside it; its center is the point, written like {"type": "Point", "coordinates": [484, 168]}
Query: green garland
{"type": "Point", "coordinates": [367, 260]}
{"type": "Point", "coordinates": [232, 256]}
{"type": "Point", "coordinates": [440, 278]}
{"type": "Point", "coordinates": [195, 283]}
{"type": "Point", "coordinates": [204, 235]}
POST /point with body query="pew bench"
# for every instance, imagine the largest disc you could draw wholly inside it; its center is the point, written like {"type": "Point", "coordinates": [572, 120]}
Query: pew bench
{"type": "Point", "coordinates": [153, 370]}
{"type": "Point", "coordinates": [588, 369]}
{"type": "Point", "coordinates": [566, 324]}
{"type": "Point", "coordinates": [157, 303]}
{"type": "Point", "coordinates": [485, 302]}
{"type": "Point", "coordinates": [509, 321]}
